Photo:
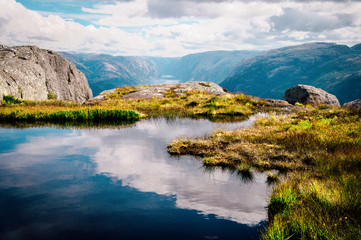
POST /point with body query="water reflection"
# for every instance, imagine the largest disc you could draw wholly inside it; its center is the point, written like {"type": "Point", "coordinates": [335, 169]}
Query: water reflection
{"type": "Point", "coordinates": [131, 157]}
{"type": "Point", "coordinates": [67, 124]}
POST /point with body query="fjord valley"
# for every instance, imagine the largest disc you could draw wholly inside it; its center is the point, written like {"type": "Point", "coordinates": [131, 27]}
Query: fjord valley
{"type": "Point", "coordinates": [140, 160]}
{"type": "Point", "coordinates": [106, 72]}
{"type": "Point", "coordinates": [333, 67]}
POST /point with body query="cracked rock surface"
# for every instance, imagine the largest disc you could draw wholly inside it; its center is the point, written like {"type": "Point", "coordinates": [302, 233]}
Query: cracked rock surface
{"type": "Point", "coordinates": [28, 72]}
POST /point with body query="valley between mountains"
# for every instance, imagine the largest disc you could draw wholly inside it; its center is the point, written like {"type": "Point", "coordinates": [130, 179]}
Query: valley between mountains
{"type": "Point", "coordinates": [333, 67]}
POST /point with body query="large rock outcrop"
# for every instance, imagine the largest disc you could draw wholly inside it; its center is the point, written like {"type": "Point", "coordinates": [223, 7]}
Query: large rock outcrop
{"type": "Point", "coordinates": [310, 95]}
{"type": "Point", "coordinates": [180, 89]}
{"type": "Point", "coordinates": [354, 104]}
{"type": "Point", "coordinates": [159, 90]}
{"type": "Point", "coordinates": [28, 72]}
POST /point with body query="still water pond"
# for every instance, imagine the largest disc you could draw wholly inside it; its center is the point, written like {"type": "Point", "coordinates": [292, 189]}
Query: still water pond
{"type": "Point", "coordinates": [122, 184]}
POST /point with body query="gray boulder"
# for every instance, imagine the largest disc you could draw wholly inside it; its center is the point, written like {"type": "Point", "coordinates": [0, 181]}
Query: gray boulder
{"type": "Point", "coordinates": [28, 72]}
{"type": "Point", "coordinates": [310, 95]}
{"type": "Point", "coordinates": [354, 104]}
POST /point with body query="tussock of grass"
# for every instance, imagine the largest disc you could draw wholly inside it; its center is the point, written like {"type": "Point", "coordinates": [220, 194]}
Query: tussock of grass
{"type": "Point", "coordinates": [9, 100]}
{"type": "Point", "coordinates": [320, 196]}
{"type": "Point", "coordinates": [272, 177]}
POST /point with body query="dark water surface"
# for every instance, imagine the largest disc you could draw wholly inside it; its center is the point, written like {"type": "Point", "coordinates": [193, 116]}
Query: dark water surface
{"type": "Point", "coordinates": [122, 184]}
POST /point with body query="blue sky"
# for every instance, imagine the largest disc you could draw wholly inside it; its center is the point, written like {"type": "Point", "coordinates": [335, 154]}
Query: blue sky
{"type": "Point", "coordinates": [70, 10]}
{"type": "Point", "coordinates": [177, 27]}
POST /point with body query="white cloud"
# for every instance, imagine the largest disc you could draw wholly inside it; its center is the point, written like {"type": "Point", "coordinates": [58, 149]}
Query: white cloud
{"type": "Point", "coordinates": [19, 26]}
{"type": "Point", "coordinates": [176, 28]}
{"type": "Point", "coordinates": [125, 14]}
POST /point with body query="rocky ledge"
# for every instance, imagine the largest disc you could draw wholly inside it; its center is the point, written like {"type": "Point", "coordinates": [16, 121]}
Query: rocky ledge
{"type": "Point", "coordinates": [159, 90]}
{"type": "Point", "coordinates": [28, 72]}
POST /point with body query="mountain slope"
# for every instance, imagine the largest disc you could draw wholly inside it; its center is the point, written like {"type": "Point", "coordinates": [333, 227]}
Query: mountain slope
{"type": "Point", "coordinates": [209, 66]}
{"type": "Point", "coordinates": [106, 72]}
{"type": "Point", "coordinates": [334, 68]}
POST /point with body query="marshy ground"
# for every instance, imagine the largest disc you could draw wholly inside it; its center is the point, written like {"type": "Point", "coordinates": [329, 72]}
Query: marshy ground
{"type": "Point", "coordinates": [318, 156]}
{"type": "Point", "coordinates": [316, 152]}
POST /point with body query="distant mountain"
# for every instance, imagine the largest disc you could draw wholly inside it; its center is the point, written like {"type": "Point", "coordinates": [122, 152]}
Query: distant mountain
{"type": "Point", "coordinates": [209, 66]}
{"type": "Point", "coordinates": [106, 72]}
{"type": "Point", "coordinates": [334, 68]}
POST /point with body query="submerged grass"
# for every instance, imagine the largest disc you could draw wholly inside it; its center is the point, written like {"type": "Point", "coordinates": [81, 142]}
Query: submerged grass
{"type": "Point", "coordinates": [320, 150]}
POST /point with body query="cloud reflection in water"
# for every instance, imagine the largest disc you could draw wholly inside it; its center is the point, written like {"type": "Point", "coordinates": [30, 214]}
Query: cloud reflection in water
{"type": "Point", "coordinates": [137, 157]}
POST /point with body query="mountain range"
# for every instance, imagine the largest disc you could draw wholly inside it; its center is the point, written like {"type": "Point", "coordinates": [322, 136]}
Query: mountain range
{"type": "Point", "coordinates": [331, 67]}
{"type": "Point", "coordinates": [334, 68]}
{"type": "Point", "coordinates": [106, 71]}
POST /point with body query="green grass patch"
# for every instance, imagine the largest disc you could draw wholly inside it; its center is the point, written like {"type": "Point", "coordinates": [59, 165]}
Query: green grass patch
{"type": "Point", "coordinates": [9, 100]}
{"type": "Point", "coordinates": [61, 116]}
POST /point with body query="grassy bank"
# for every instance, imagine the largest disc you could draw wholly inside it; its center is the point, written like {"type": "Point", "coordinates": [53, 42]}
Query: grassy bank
{"type": "Point", "coordinates": [67, 113]}
{"type": "Point", "coordinates": [194, 104]}
{"type": "Point", "coordinates": [62, 115]}
{"type": "Point", "coordinates": [320, 150]}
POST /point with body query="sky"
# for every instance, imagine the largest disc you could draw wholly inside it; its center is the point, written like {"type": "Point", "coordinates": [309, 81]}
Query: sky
{"type": "Point", "coordinates": [173, 28]}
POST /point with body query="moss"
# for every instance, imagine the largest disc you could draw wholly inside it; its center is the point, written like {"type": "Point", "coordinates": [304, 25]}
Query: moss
{"type": "Point", "coordinates": [51, 95]}
{"type": "Point", "coordinates": [205, 84]}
